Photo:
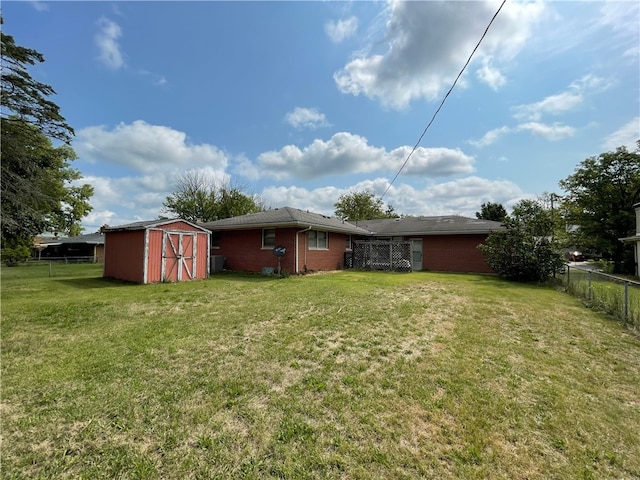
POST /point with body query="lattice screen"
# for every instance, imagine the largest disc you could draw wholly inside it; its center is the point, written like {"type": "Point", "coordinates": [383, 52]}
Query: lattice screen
{"type": "Point", "coordinates": [381, 255]}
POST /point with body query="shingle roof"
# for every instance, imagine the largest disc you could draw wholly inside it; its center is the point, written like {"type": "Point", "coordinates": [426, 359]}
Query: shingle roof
{"type": "Point", "coordinates": [89, 239]}
{"type": "Point", "coordinates": [141, 225]}
{"type": "Point", "coordinates": [441, 225]}
{"type": "Point", "coordinates": [292, 217]}
{"type": "Point", "coordinates": [286, 217]}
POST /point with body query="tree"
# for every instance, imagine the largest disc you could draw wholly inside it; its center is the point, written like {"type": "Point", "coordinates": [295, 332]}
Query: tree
{"type": "Point", "coordinates": [524, 250]}
{"type": "Point", "coordinates": [362, 206]}
{"type": "Point", "coordinates": [492, 211]}
{"type": "Point", "coordinates": [599, 200]}
{"type": "Point", "coordinates": [36, 193]}
{"type": "Point", "coordinates": [25, 99]}
{"type": "Point", "coordinates": [199, 198]}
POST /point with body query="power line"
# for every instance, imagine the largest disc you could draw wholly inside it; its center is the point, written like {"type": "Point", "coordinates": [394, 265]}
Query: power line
{"type": "Point", "coordinates": [445, 98]}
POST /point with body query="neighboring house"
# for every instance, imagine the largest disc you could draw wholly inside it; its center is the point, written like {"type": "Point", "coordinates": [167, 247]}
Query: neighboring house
{"type": "Point", "coordinates": [635, 241]}
{"type": "Point", "coordinates": [317, 242]}
{"type": "Point", "coordinates": [82, 248]}
{"type": "Point", "coordinates": [156, 250]}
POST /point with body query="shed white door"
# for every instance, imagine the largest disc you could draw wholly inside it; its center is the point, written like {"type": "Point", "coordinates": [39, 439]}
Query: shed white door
{"type": "Point", "coordinates": [178, 256]}
{"type": "Point", "coordinates": [416, 254]}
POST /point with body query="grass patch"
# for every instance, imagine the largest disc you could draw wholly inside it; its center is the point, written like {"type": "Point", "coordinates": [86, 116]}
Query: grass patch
{"type": "Point", "coordinates": [343, 375]}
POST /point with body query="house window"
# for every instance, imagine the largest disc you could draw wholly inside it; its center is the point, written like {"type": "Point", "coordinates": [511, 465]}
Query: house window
{"type": "Point", "coordinates": [268, 237]}
{"type": "Point", "coordinates": [215, 239]}
{"type": "Point", "coordinates": [348, 242]}
{"type": "Point", "coordinates": [318, 240]}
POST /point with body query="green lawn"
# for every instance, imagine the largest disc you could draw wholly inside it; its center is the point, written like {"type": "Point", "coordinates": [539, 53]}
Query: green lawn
{"type": "Point", "coordinates": [354, 375]}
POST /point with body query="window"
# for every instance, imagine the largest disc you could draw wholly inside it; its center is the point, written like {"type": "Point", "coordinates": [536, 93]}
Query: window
{"type": "Point", "coordinates": [318, 240]}
{"type": "Point", "coordinates": [348, 242]}
{"type": "Point", "coordinates": [215, 239]}
{"type": "Point", "coordinates": [268, 237]}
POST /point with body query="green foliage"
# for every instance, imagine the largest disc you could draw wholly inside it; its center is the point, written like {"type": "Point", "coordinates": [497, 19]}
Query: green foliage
{"type": "Point", "coordinates": [25, 97]}
{"type": "Point", "coordinates": [36, 192]}
{"type": "Point", "coordinates": [525, 250]}
{"type": "Point", "coordinates": [12, 256]}
{"type": "Point", "coordinates": [492, 211]}
{"type": "Point", "coordinates": [599, 200]}
{"type": "Point", "coordinates": [199, 198]}
{"type": "Point", "coordinates": [362, 206]}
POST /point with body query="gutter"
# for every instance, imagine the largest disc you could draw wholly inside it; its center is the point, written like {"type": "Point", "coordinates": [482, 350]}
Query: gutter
{"type": "Point", "coordinates": [297, 253]}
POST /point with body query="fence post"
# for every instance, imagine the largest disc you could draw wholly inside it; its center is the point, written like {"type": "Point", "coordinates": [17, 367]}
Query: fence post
{"type": "Point", "coordinates": [626, 300]}
{"type": "Point", "coordinates": [49, 269]}
{"type": "Point", "coordinates": [590, 295]}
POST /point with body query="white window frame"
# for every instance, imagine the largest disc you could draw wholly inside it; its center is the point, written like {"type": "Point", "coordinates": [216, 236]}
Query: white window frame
{"type": "Point", "coordinates": [312, 238]}
{"type": "Point", "coordinates": [348, 243]}
{"type": "Point", "coordinates": [265, 232]}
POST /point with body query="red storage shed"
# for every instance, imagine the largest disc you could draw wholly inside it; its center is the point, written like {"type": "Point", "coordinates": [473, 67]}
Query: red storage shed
{"type": "Point", "coordinates": [156, 250]}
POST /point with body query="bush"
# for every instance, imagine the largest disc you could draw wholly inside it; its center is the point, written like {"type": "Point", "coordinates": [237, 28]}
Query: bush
{"type": "Point", "coordinates": [12, 256]}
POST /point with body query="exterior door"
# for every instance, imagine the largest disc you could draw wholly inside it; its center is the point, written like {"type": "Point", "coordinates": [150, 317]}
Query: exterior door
{"type": "Point", "coordinates": [178, 256]}
{"type": "Point", "coordinates": [416, 254]}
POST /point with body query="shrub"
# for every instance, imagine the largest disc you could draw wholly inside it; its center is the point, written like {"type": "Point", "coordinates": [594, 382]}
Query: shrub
{"type": "Point", "coordinates": [12, 256]}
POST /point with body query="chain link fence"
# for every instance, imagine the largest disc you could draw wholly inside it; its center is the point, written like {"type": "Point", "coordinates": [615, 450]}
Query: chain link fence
{"type": "Point", "coordinates": [617, 296]}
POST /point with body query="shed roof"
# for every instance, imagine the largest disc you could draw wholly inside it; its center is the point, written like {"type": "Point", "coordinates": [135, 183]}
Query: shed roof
{"type": "Point", "coordinates": [144, 224]}
{"type": "Point", "coordinates": [286, 217]}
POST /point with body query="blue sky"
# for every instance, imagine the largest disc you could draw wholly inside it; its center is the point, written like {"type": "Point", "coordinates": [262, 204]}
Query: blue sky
{"type": "Point", "coordinates": [300, 102]}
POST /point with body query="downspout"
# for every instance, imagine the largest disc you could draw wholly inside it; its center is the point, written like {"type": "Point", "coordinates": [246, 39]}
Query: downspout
{"type": "Point", "coordinates": [297, 248]}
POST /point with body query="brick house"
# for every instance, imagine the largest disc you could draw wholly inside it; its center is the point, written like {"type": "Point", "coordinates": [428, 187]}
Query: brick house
{"type": "Point", "coordinates": [317, 242]}
{"type": "Point", "coordinates": [311, 241]}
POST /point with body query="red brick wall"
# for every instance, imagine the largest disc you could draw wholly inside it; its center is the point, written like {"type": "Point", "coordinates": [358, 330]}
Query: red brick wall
{"type": "Point", "coordinates": [454, 253]}
{"type": "Point", "coordinates": [243, 251]}
{"type": "Point", "coordinates": [327, 260]}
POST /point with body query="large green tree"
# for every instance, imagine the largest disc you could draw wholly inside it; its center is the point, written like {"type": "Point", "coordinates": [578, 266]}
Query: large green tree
{"type": "Point", "coordinates": [37, 192]}
{"type": "Point", "coordinates": [524, 250]}
{"type": "Point", "coordinates": [492, 211]}
{"type": "Point", "coordinates": [362, 205]}
{"type": "Point", "coordinates": [599, 201]}
{"type": "Point", "coordinates": [200, 198]}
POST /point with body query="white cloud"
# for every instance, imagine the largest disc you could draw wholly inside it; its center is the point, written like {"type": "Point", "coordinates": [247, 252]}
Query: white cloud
{"type": "Point", "coordinates": [146, 148]}
{"type": "Point", "coordinates": [306, 118]}
{"type": "Point", "coordinates": [491, 76]}
{"type": "Point", "coordinates": [621, 17]}
{"type": "Point", "coordinates": [107, 40]}
{"type": "Point", "coordinates": [563, 102]}
{"type": "Point", "coordinates": [342, 29]}
{"type": "Point", "coordinates": [346, 153]}
{"type": "Point", "coordinates": [551, 105]}
{"type": "Point", "coordinates": [549, 132]}
{"type": "Point", "coordinates": [462, 197]}
{"type": "Point", "coordinates": [429, 42]}
{"type": "Point", "coordinates": [491, 137]}
{"type": "Point", "coordinates": [39, 6]}
{"type": "Point", "coordinates": [432, 161]}
{"type": "Point", "coordinates": [627, 136]}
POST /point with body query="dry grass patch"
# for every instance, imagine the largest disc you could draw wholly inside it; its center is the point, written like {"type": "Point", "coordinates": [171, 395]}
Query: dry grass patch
{"type": "Point", "coordinates": [350, 375]}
